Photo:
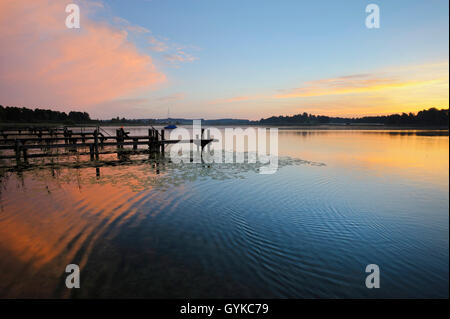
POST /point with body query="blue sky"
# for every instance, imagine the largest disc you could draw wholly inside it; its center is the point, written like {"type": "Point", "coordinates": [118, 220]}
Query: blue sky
{"type": "Point", "coordinates": [245, 47]}
{"type": "Point", "coordinates": [252, 59]}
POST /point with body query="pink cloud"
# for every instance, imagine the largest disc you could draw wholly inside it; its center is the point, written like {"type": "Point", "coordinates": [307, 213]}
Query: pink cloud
{"type": "Point", "coordinates": [179, 56]}
{"type": "Point", "coordinates": [42, 63]}
{"type": "Point", "coordinates": [172, 53]}
{"type": "Point", "coordinates": [157, 45]}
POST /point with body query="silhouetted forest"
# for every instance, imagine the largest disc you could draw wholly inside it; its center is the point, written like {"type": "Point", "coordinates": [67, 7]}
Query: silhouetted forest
{"type": "Point", "coordinates": [430, 117]}
{"type": "Point", "coordinates": [24, 115]}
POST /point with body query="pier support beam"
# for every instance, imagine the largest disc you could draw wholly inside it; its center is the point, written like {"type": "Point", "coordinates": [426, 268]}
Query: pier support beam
{"type": "Point", "coordinates": [91, 151]}
{"type": "Point", "coordinates": [96, 144]}
{"type": "Point", "coordinates": [17, 151]}
{"type": "Point", "coordinates": [162, 143]}
{"type": "Point", "coordinates": [25, 154]}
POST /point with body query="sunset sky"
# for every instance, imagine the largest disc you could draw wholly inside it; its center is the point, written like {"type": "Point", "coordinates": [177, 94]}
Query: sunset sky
{"type": "Point", "coordinates": [221, 59]}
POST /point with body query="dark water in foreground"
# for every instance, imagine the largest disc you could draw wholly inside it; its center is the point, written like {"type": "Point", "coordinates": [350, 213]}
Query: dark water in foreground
{"type": "Point", "coordinates": [339, 201]}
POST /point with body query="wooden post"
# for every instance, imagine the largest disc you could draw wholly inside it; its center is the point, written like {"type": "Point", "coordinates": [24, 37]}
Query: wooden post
{"type": "Point", "coordinates": [153, 141]}
{"type": "Point", "coordinates": [148, 144]}
{"type": "Point", "coordinates": [97, 133]}
{"type": "Point", "coordinates": [162, 143]}
{"type": "Point", "coordinates": [157, 148]}
{"type": "Point", "coordinates": [17, 151]}
{"type": "Point", "coordinates": [150, 140]}
{"type": "Point", "coordinates": [91, 151]}
{"type": "Point", "coordinates": [25, 154]}
{"type": "Point", "coordinates": [135, 143]}
{"type": "Point", "coordinates": [117, 138]}
{"type": "Point", "coordinates": [96, 144]}
{"type": "Point", "coordinates": [119, 145]}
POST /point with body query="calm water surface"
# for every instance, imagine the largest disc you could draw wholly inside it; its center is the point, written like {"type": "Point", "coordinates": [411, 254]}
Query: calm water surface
{"type": "Point", "coordinates": [340, 200]}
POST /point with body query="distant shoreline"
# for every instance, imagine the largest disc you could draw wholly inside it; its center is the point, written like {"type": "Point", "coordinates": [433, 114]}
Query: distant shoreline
{"type": "Point", "coordinates": [359, 127]}
{"type": "Point", "coordinates": [425, 119]}
{"type": "Point", "coordinates": [281, 127]}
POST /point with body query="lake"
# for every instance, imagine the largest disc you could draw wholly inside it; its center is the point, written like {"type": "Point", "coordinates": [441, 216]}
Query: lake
{"type": "Point", "coordinates": [340, 200]}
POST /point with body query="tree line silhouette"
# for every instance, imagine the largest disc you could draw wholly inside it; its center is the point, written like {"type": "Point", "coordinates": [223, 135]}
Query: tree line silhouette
{"type": "Point", "coordinates": [14, 114]}
{"type": "Point", "coordinates": [430, 117]}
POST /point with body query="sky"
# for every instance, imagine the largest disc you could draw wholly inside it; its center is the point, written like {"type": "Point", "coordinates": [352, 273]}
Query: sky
{"type": "Point", "coordinates": [224, 59]}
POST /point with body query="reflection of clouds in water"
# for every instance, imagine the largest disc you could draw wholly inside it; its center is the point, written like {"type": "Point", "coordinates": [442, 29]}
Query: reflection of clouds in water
{"type": "Point", "coordinates": [60, 215]}
{"type": "Point", "coordinates": [162, 175]}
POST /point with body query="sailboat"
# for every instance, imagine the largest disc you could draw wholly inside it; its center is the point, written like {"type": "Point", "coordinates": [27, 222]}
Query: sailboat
{"type": "Point", "coordinates": [169, 126]}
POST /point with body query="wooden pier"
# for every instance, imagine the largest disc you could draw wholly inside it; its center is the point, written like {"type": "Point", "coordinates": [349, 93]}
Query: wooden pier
{"type": "Point", "coordinates": [23, 143]}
